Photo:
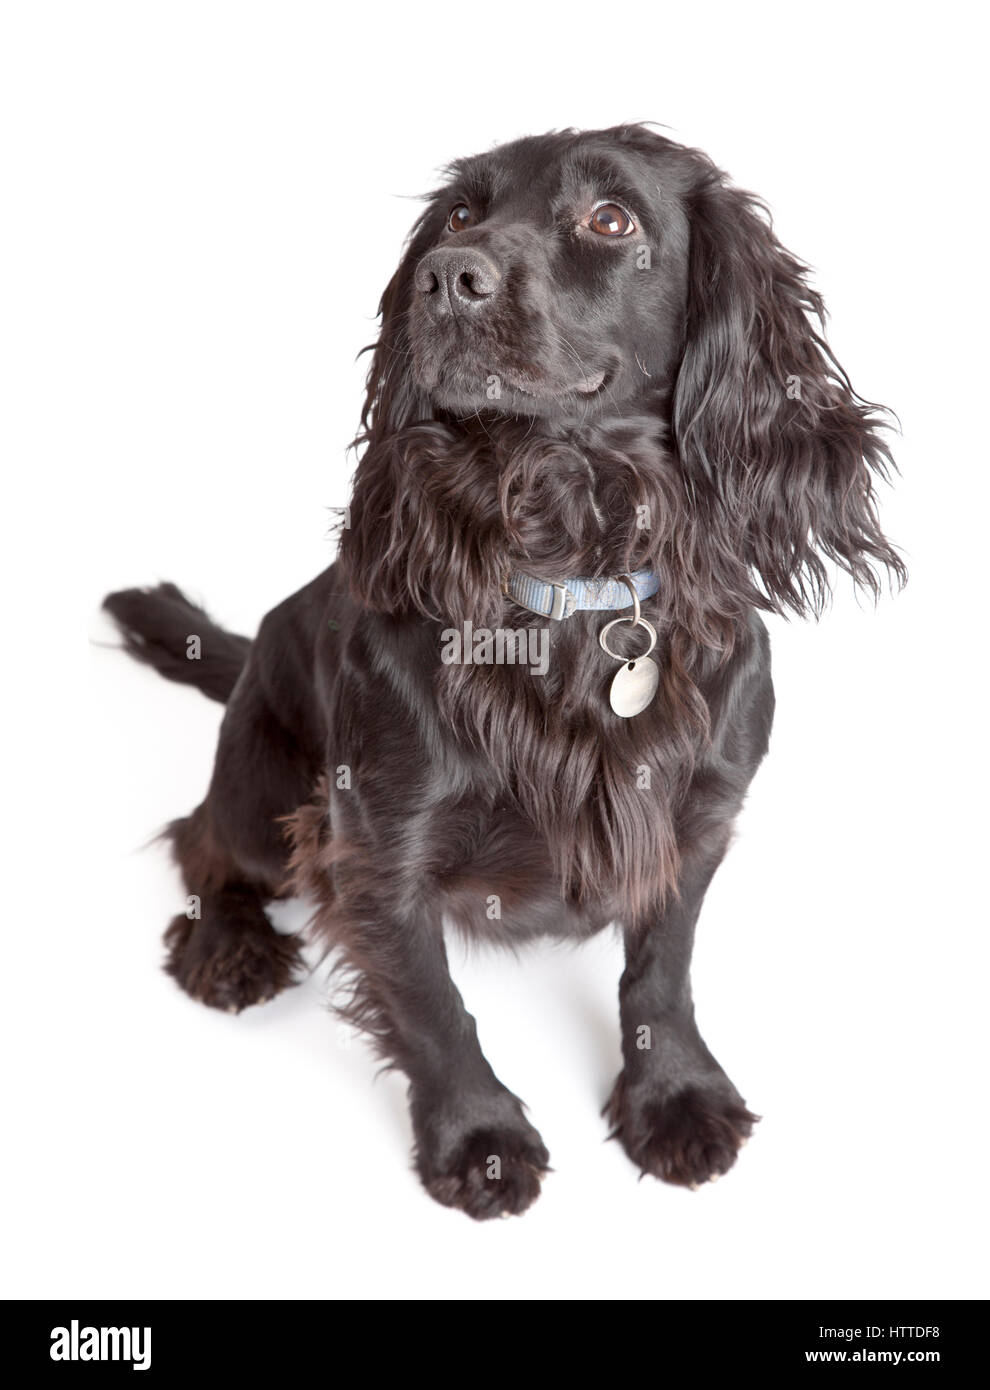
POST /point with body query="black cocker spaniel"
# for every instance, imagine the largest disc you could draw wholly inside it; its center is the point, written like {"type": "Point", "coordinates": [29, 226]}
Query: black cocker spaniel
{"type": "Point", "coordinates": [603, 431]}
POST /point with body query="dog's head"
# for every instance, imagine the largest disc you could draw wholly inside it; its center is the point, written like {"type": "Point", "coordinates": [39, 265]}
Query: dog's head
{"type": "Point", "coordinates": [555, 279]}
{"type": "Point", "coordinates": [548, 278]}
{"type": "Point", "coordinates": [610, 294]}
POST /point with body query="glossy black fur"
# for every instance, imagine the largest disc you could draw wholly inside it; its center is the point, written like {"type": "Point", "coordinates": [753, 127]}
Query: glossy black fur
{"type": "Point", "coordinates": [571, 405]}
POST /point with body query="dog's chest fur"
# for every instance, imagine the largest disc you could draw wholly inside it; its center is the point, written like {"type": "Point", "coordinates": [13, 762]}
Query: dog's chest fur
{"type": "Point", "coordinates": [578, 805]}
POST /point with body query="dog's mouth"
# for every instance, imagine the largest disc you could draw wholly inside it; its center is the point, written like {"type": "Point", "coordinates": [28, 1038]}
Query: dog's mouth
{"type": "Point", "coordinates": [463, 377]}
{"type": "Point", "coordinates": [588, 385]}
{"type": "Point", "coordinates": [528, 390]}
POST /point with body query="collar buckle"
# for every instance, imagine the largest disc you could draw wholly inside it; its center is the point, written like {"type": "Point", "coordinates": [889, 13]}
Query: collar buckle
{"type": "Point", "coordinates": [563, 601]}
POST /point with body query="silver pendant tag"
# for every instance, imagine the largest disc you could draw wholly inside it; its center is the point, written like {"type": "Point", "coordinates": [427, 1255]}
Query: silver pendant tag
{"type": "Point", "coordinates": [634, 686]}
{"type": "Point", "coordinates": [635, 682]}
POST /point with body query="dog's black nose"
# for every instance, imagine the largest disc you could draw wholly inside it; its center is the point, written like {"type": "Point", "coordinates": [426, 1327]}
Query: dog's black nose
{"type": "Point", "coordinates": [453, 280]}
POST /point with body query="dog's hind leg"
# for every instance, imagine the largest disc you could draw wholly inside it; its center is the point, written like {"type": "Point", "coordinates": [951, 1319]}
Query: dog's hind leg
{"type": "Point", "coordinates": [233, 856]}
{"type": "Point", "coordinates": [223, 950]}
{"type": "Point", "coordinates": [232, 850]}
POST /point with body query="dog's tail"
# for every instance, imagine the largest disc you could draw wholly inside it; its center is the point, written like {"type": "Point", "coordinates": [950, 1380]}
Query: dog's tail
{"type": "Point", "coordinates": [182, 642]}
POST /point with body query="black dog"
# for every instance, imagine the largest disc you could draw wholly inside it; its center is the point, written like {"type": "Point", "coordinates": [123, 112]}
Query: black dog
{"type": "Point", "coordinates": [597, 387]}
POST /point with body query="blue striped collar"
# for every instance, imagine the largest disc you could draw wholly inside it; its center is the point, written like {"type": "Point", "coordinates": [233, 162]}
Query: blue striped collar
{"type": "Point", "coordinates": [559, 598]}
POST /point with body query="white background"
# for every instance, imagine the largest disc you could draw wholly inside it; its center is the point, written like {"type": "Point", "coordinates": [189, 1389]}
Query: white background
{"type": "Point", "coordinates": [204, 202]}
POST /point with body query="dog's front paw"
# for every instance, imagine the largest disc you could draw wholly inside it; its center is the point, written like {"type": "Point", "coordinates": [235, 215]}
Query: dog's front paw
{"type": "Point", "coordinates": [686, 1136]}
{"type": "Point", "coordinates": [486, 1172]}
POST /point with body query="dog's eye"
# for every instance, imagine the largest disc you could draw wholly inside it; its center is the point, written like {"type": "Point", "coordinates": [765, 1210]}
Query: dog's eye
{"type": "Point", "coordinates": [460, 217]}
{"type": "Point", "coordinates": [608, 219]}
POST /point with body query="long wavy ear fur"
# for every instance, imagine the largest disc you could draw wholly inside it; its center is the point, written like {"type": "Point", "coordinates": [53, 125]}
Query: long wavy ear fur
{"type": "Point", "coordinates": [426, 531]}
{"type": "Point", "coordinates": [392, 399]}
{"type": "Point", "coordinates": [378, 548]}
{"type": "Point", "coordinates": [774, 442]}
{"type": "Point", "coordinates": [423, 536]}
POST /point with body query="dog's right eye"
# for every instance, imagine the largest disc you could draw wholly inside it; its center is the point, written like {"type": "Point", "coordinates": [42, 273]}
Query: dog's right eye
{"type": "Point", "coordinates": [460, 217]}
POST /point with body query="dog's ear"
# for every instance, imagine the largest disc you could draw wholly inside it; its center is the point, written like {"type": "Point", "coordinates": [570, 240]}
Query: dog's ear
{"type": "Point", "coordinates": [423, 530]}
{"type": "Point", "coordinates": [426, 531]}
{"type": "Point", "coordinates": [392, 398]}
{"type": "Point", "coordinates": [768, 428]}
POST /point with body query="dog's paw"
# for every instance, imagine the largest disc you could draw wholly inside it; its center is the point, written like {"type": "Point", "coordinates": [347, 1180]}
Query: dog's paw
{"type": "Point", "coordinates": [490, 1172]}
{"type": "Point", "coordinates": [231, 965]}
{"type": "Point", "coordinates": [688, 1137]}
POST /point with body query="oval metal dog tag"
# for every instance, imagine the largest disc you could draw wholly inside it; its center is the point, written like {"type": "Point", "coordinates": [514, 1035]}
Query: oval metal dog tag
{"type": "Point", "coordinates": [634, 686]}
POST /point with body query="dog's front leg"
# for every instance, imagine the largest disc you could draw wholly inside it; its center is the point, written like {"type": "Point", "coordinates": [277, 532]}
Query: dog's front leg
{"type": "Point", "coordinates": [475, 1149]}
{"type": "Point", "coordinates": [673, 1108]}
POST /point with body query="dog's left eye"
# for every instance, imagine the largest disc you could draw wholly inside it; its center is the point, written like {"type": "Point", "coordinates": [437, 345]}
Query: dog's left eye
{"type": "Point", "coordinates": [460, 217]}
{"type": "Point", "coordinates": [609, 219]}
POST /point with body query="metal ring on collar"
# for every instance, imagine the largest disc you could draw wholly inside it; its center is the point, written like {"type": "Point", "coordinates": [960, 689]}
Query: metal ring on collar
{"type": "Point", "coordinates": [636, 622]}
{"type": "Point", "coordinates": [627, 579]}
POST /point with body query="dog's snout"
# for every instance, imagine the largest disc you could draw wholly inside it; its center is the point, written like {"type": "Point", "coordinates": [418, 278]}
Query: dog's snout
{"type": "Point", "coordinates": [452, 280]}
